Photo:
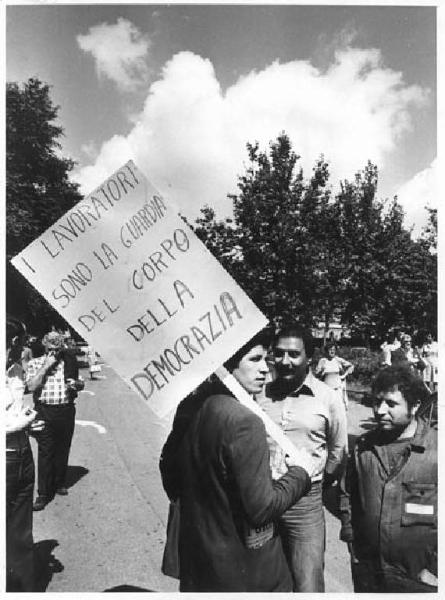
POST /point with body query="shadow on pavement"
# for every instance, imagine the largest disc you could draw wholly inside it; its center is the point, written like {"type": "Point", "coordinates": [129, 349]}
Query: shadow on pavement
{"type": "Point", "coordinates": [73, 475]}
{"type": "Point", "coordinates": [127, 588]}
{"type": "Point", "coordinates": [45, 563]}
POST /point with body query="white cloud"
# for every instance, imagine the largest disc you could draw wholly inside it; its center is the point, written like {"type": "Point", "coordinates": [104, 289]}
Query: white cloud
{"type": "Point", "coordinates": [190, 138]}
{"type": "Point", "coordinates": [119, 51]}
{"type": "Point", "coordinates": [418, 192]}
{"type": "Point", "coordinates": [89, 149]}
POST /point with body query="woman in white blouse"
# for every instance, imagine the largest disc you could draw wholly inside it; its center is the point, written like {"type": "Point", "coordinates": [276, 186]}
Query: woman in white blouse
{"type": "Point", "coordinates": [333, 370]}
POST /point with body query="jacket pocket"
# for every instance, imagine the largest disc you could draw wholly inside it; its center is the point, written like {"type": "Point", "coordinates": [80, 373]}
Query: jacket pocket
{"type": "Point", "coordinates": [419, 503]}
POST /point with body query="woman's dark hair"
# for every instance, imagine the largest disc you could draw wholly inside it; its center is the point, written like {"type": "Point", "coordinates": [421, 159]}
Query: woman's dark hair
{"type": "Point", "coordinates": [262, 338]}
{"type": "Point", "coordinates": [328, 346]}
{"type": "Point", "coordinates": [405, 380]}
{"type": "Point", "coordinates": [298, 331]}
{"type": "Point", "coordinates": [14, 328]}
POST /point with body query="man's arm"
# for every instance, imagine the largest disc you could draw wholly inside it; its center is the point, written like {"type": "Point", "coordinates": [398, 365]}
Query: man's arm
{"type": "Point", "coordinates": [347, 485]}
{"type": "Point", "coordinates": [35, 377]}
{"type": "Point", "coordinates": [337, 441]}
{"type": "Point", "coordinates": [350, 506]}
{"type": "Point", "coordinates": [263, 499]}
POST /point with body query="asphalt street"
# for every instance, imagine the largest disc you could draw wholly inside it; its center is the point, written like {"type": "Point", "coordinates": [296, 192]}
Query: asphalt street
{"type": "Point", "coordinates": [108, 533]}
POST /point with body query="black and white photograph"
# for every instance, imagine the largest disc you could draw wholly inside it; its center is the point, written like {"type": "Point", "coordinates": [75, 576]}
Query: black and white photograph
{"type": "Point", "coordinates": [221, 298]}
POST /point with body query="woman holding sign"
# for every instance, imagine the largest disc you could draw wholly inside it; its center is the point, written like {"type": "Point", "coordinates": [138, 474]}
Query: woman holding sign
{"type": "Point", "coordinates": [216, 463]}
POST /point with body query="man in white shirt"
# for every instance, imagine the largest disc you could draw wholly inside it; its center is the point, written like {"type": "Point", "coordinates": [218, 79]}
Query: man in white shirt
{"type": "Point", "coordinates": [314, 418]}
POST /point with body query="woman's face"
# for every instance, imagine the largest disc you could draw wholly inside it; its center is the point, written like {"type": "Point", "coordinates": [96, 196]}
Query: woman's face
{"type": "Point", "coordinates": [331, 352]}
{"type": "Point", "coordinates": [252, 369]}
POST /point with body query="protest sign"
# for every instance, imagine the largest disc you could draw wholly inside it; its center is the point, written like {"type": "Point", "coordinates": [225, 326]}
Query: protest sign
{"type": "Point", "coordinates": [131, 277]}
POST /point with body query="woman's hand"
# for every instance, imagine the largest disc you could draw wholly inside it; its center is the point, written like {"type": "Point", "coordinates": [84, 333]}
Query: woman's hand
{"type": "Point", "coordinates": [302, 458]}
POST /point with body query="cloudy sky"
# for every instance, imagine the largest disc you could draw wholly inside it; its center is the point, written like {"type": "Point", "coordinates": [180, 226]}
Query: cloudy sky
{"type": "Point", "coordinates": [182, 88]}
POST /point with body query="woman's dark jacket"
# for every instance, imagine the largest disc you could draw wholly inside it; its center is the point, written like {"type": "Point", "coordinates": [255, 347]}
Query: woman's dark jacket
{"type": "Point", "coordinates": [216, 461]}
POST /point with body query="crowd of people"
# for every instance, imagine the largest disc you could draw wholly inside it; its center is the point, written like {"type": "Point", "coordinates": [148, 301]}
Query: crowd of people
{"type": "Point", "coordinates": [49, 371]}
{"type": "Point", "coordinates": [244, 515]}
{"type": "Point", "coordinates": [398, 348]}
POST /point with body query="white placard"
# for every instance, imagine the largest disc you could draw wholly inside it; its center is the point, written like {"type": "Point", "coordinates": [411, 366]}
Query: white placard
{"type": "Point", "coordinates": [133, 279]}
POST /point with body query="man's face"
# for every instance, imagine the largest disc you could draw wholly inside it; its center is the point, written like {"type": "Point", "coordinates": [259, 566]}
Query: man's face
{"type": "Point", "coordinates": [252, 369]}
{"type": "Point", "coordinates": [291, 362]}
{"type": "Point", "coordinates": [391, 410]}
{"type": "Point", "coordinates": [52, 343]}
{"type": "Point", "coordinates": [51, 348]}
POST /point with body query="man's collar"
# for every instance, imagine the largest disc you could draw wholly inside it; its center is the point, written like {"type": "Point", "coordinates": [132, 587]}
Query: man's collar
{"type": "Point", "coordinates": [417, 442]}
{"type": "Point", "coordinates": [305, 389]}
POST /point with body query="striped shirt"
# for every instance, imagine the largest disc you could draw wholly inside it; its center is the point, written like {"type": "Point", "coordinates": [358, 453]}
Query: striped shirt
{"type": "Point", "coordinates": [54, 389]}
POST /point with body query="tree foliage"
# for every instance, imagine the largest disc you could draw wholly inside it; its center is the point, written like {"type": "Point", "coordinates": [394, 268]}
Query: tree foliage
{"type": "Point", "coordinates": [38, 190]}
{"type": "Point", "coordinates": [301, 253]}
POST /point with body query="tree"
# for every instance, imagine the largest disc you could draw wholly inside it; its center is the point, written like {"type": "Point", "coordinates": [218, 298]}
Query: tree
{"type": "Point", "coordinates": [429, 233]}
{"type": "Point", "coordinates": [391, 280]}
{"type": "Point", "coordinates": [38, 190]}
{"type": "Point", "coordinates": [269, 246]}
{"type": "Point", "coordinates": [300, 253]}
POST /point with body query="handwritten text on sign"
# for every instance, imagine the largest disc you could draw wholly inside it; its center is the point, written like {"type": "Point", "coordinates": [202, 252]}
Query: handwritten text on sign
{"type": "Point", "coordinates": [132, 278]}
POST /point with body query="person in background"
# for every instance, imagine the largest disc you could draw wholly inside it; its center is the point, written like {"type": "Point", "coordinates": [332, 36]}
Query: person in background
{"type": "Point", "coordinates": [93, 365]}
{"type": "Point", "coordinates": [20, 419]}
{"type": "Point", "coordinates": [216, 462]}
{"type": "Point", "coordinates": [54, 381]}
{"type": "Point", "coordinates": [429, 352]}
{"type": "Point", "coordinates": [314, 418]}
{"type": "Point", "coordinates": [390, 344]}
{"type": "Point", "coordinates": [19, 352]}
{"type": "Point", "coordinates": [333, 370]}
{"type": "Point", "coordinates": [388, 500]}
{"type": "Point", "coordinates": [36, 346]}
{"type": "Point", "coordinates": [406, 354]}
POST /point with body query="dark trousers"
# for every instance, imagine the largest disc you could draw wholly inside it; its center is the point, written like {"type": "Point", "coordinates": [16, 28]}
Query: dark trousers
{"type": "Point", "coordinates": [369, 578]}
{"type": "Point", "coordinates": [19, 541]}
{"type": "Point", "coordinates": [54, 443]}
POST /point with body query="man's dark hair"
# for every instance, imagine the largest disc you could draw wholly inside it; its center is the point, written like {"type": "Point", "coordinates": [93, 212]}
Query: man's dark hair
{"type": "Point", "coordinates": [298, 331]}
{"type": "Point", "coordinates": [262, 338]}
{"type": "Point", "coordinates": [405, 380]}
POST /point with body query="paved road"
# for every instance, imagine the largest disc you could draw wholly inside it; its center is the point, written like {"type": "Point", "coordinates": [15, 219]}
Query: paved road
{"type": "Point", "coordinates": [108, 533]}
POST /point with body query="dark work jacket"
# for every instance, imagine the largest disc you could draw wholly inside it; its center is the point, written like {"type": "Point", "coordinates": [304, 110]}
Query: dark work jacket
{"type": "Point", "coordinates": [391, 514]}
{"type": "Point", "coordinates": [216, 461]}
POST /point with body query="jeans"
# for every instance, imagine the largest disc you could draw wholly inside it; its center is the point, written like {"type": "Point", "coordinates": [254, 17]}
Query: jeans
{"type": "Point", "coordinates": [303, 532]}
{"type": "Point", "coordinates": [54, 443]}
{"type": "Point", "coordinates": [19, 540]}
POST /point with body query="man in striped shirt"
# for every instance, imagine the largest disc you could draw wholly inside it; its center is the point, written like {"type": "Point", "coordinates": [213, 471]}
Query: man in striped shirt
{"type": "Point", "coordinates": [54, 381]}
